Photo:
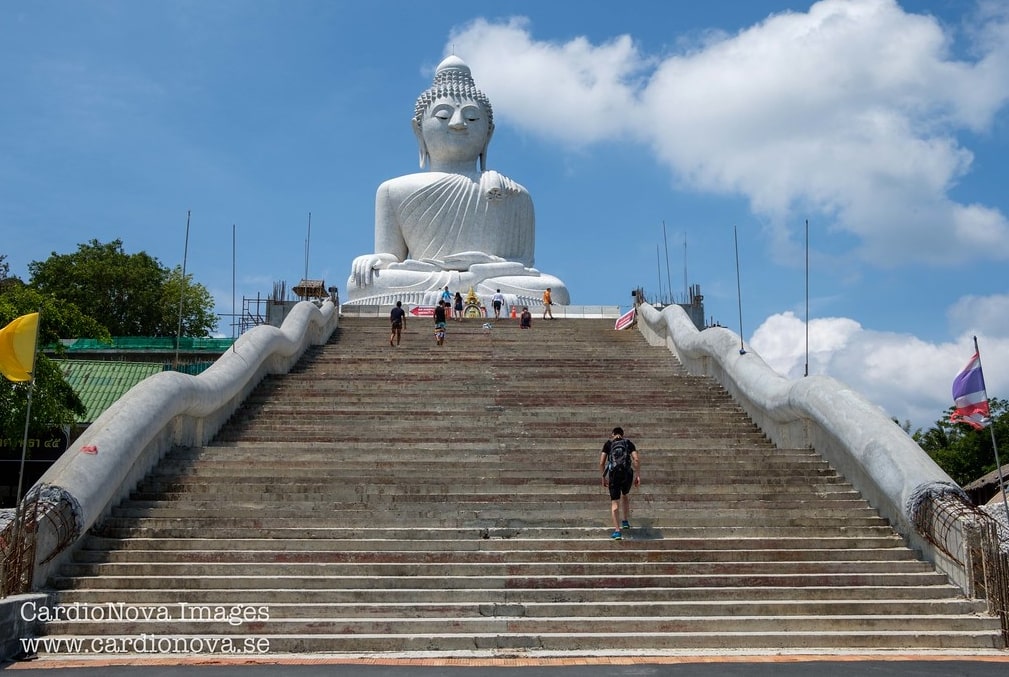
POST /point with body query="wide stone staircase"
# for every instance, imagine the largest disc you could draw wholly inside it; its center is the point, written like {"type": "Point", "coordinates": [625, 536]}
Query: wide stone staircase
{"type": "Point", "coordinates": [448, 500]}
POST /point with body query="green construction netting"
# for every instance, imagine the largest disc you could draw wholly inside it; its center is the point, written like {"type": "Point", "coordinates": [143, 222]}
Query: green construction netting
{"type": "Point", "coordinates": [152, 343]}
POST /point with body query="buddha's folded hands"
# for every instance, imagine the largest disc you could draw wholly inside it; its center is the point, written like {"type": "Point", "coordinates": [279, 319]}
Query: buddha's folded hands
{"type": "Point", "coordinates": [465, 260]}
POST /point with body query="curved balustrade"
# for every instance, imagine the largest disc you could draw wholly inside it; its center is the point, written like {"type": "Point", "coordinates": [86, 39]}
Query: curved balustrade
{"type": "Point", "coordinates": [887, 467]}
{"type": "Point", "coordinates": [165, 410]}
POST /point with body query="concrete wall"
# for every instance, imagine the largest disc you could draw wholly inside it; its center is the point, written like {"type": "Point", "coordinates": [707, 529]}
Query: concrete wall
{"type": "Point", "coordinates": [883, 463]}
{"type": "Point", "coordinates": [16, 622]}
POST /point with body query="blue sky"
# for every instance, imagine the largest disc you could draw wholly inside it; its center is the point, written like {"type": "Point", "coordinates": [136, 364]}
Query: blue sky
{"type": "Point", "coordinates": [883, 124]}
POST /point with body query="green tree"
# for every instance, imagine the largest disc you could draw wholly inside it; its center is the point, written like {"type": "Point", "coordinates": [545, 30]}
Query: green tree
{"type": "Point", "coordinates": [54, 403]}
{"type": "Point", "coordinates": [125, 292]}
{"type": "Point", "coordinates": [963, 452]}
{"type": "Point", "coordinates": [5, 274]}
{"type": "Point", "coordinates": [60, 319]}
{"type": "Point", "coordinates": [198, 318]}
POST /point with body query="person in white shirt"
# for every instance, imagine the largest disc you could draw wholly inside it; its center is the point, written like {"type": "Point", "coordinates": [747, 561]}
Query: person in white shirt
{"type": "Point", "coordinates": [498, 301]}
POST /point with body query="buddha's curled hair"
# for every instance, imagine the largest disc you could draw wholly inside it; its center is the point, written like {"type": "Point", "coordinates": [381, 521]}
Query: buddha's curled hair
{"type": "Point", "coordinates": [452, 79]}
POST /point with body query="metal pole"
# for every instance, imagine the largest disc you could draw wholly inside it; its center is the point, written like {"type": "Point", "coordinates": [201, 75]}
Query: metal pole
{"type": "Point", "coordinates": [658, 268]}
{"type": "Point", "coordinates": [24, 453]}
{"type": "Point", "coordinates": [739, 293]}
{"type": "Point", "coordinates": [998, 465]}
{"type": "Point", "coordinates": [182, 291]}
{"type": "Point", "coordinates": [24, 441]}
{"type": "Point", "coordinates": [991, 430]}
{"type": "Point", "coordinates": [807, 299]}
{"type": "Point", "coordinates": [669, 281]}
{"type": "Point", "coordinates": [234, 267]}
{"type": "Point", "coordinates": [308, 243]}
{"type": "Point", "coordinates": [686, 287]}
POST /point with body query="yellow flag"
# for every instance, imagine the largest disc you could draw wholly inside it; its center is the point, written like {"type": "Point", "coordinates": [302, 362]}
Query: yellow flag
{"type": "Point", "coordinates": [17, 347]}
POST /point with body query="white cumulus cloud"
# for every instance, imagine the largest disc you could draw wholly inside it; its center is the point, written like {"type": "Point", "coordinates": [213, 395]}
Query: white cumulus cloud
{"type": "Point", "coordinates": [851, 110]}
{"type": "Point", "coordinates": [909, 379]}
{"type": "Point", "coordinates": [591, 89]}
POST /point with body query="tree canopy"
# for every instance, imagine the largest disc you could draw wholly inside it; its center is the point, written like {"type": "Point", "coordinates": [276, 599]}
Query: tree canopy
{"type": "Point", "coordinates": [198, 317]}
{"type": "Point", "coordinates": [54, 403]}
{"type": "Point", "coordinates": [130, 294]}
{"type": "Point", "coordinates": [98, 292]}
{"type": "Point", "coordinates": [58, 318]}
{"type": "Point", "coordinates": [963, 452]}
{"type": "Point", "coordinates": [5, 279]}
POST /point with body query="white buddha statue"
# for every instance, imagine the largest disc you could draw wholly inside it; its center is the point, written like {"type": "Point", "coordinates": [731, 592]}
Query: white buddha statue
{"type": "Point", "coordinates": [454, 226]}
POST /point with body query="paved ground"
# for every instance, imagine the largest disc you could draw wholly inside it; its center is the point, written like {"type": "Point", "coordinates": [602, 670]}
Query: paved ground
{"type": "Point", "coordinates": [715, 666]}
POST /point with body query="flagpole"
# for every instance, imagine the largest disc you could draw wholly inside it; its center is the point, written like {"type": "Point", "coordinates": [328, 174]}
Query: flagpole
{"type": "Point", "coordinates": [24, 450]}
{"type": "Point", "coordinates": [24, 443]}
{"type": "Point", "coordinates": [994, 444]}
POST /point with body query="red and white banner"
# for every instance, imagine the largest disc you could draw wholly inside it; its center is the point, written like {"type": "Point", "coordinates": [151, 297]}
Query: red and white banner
{"type": "Point", "coordinates": [625, 320]}
{"type": "Point", "coordinates": [422, 311]}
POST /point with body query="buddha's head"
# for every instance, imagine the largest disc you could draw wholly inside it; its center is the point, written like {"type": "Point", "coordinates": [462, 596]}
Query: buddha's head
{"type": "Point", "coordinates": [453, 120]}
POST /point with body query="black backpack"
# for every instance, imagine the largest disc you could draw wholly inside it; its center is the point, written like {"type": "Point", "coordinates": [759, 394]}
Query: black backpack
{"type": "Point", "coordinates": [619, 462]}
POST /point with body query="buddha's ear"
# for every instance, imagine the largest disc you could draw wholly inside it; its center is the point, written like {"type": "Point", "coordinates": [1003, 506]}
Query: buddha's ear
{"type": "Point", "coordinates": [421, 146]}
{"type": "Point", "coordinates": [483, 153]}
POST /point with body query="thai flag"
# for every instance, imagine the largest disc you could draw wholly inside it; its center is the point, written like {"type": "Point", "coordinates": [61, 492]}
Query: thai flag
{"type": "Point", "coordinates": [970, 397]}
{"type": "Point", "coordinates": [625, 320]}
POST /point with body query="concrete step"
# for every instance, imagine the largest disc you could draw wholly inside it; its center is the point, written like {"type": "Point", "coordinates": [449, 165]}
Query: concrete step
{"type": "Point", "coordinates": [517, 502]}
{"type": "Point", "coordinates": [599, 570]}
{"type": "Point", "coordinates": [641, 536]}
{"type": "Point", "coordinates": [907, 596]}
{"type": "Point", "coordinates": [448, 556]}
{"type": "Point", "coordinates": [178, 610]}
{"type": "Point", "coordinates": [499, 518]}
{"type": "Point", "coordinates": [465, 643]}
{"type": "Point", "coordinates": [753, 546]}
{"type": "Point", "coordinates": [190, 620]}
{"type": "Point", "coordinates": [561, 490]}
{"type": "Point", "coordinates": [322, 581]}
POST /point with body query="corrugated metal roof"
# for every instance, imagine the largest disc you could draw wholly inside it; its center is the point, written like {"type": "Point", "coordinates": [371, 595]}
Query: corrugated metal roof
{"type": "Point", "coordinates": [100, 383]}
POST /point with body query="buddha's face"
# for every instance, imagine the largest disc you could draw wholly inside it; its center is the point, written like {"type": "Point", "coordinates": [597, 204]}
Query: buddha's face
{"type": "Point", "coordinates": [455, 130]}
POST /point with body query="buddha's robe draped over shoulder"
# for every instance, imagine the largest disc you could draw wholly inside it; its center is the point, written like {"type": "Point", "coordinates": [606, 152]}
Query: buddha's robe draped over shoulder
{"type": "Point", "coordinates": [454, 214]}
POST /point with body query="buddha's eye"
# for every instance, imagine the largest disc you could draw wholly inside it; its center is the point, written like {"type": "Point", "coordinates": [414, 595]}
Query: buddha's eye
{"type": "Point", "coordinates": [442, 111]}
{"type": "Point", "coordinates": [471, 113]}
